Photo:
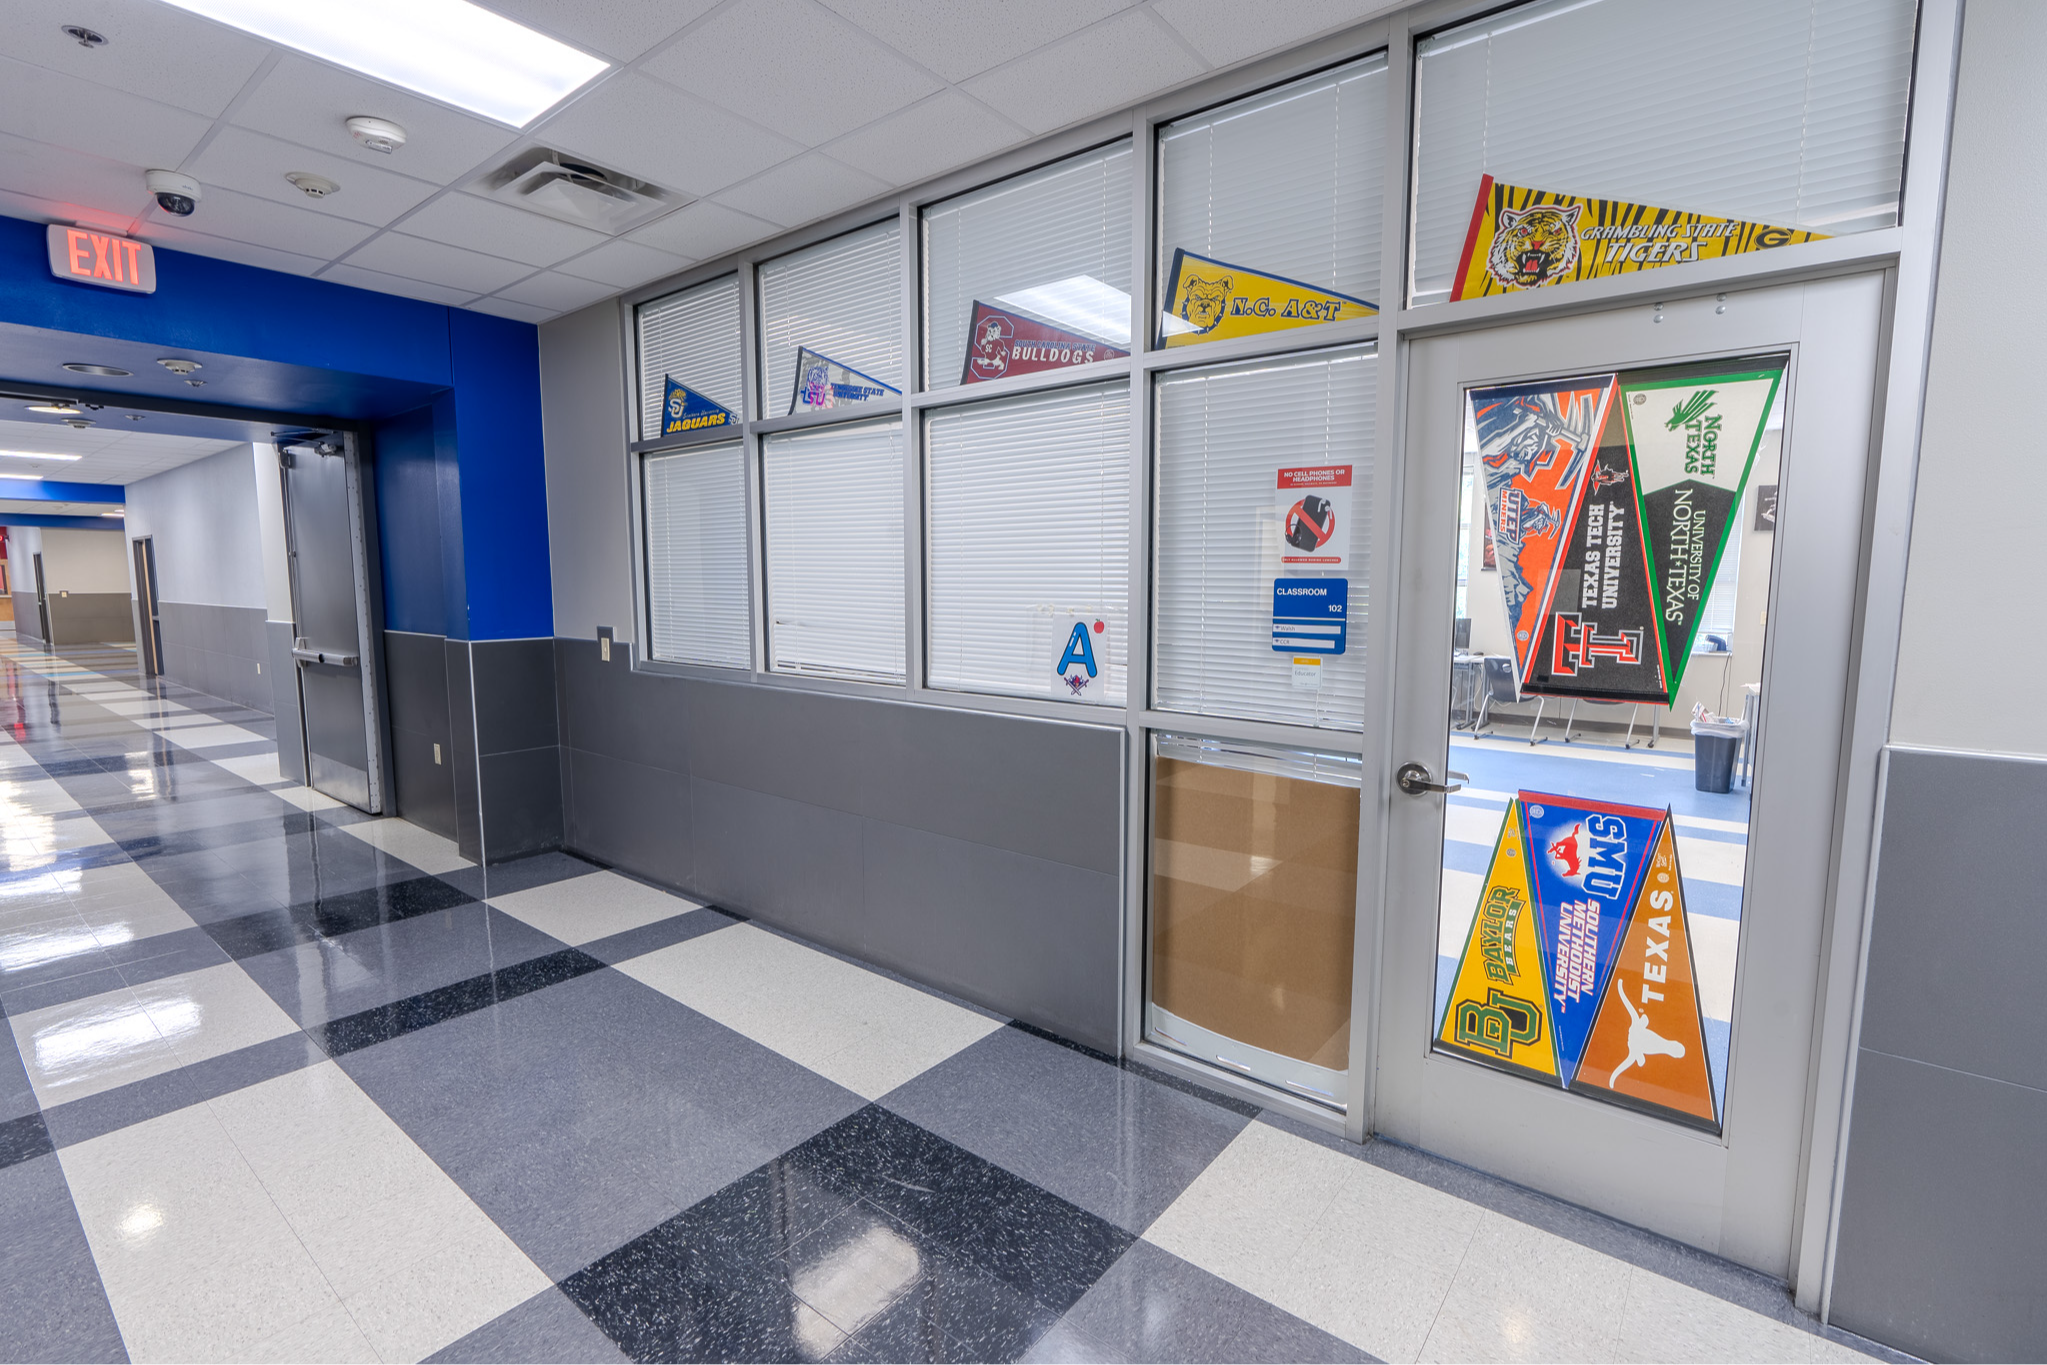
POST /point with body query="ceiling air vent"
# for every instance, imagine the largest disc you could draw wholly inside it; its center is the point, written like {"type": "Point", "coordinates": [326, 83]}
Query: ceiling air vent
{"type": "Point", "coordinates": [577, 191]}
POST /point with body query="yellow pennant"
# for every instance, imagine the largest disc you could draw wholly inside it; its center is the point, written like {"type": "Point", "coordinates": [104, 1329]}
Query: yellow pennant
{"type": "Point", "coordinates": [1209, 300]}
{"type": "Point", "coordinates": [1499, 1008]}
{"type": "Point", "coordinates": [1524, 239]}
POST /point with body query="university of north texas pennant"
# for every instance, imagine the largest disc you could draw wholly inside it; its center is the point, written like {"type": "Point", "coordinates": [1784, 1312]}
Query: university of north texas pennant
{"type": "Point", "coordinates": [684, 410]}
{"type": "Point", "coordinates": [1208, 300]}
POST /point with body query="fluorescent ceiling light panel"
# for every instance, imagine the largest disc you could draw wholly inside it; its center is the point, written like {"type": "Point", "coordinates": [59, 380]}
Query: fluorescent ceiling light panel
{"type": "Point", "coordinates": [36, 455]}
{"type": "Point", "coordinates": [450, 50]}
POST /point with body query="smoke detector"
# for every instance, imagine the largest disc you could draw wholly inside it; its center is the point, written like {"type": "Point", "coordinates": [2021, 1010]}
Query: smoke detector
{"type": "Point", "coordinates": [312, 186]}
{"type": "Point", "coordinates": [178, 365]}
{"type": "Point", "coordinates": [576, 191]}
{"type": "Point", "coordinates": [379, 135]}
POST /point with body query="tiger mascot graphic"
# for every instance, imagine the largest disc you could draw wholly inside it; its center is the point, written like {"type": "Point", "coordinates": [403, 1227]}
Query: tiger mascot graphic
{"type": "Point", "coordinates": [1535, 246]}
{"type": "Point", "coordinates": [1201, 302]}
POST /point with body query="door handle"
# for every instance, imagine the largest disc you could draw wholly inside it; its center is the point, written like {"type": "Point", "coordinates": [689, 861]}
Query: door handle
{"type": "Point", "coordinates": [314, 656]}
{"type": "Point", "coordinates": [1414, 779]}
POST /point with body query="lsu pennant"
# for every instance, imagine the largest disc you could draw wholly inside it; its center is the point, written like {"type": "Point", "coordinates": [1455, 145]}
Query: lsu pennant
{"type": "Point", "coordinates": [1208, 300]}
{"type": "Point", "coordinates": [684, 410]}
{"type": "Point", "coordinates": [1521, 238]}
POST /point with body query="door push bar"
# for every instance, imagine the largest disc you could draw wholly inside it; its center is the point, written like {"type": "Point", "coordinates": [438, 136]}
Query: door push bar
{"type": "Point", "coordinates": [305, 655]}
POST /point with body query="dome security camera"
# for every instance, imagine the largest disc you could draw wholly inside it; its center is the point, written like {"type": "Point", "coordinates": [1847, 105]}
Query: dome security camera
{"type": "Point", "coordinates": [175, 193]}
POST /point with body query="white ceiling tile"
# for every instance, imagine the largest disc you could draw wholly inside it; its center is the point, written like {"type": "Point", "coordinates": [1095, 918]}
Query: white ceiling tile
{"type": "Point", "coordinates": [793, 66]}
{"type": "Point", "coordinates": [167, 233]}
{"type": "Point", "coordinates": [265, 223]}
{"type": "Point", "coordinates": [962, 38]}
{"type": "Point", "coordinates": [152, 49]}
{"type": "Point", "coordinates": [247, 161]}
{"type": "Point", "coordinates": [360, 278]}
{"type": "Point", "coordinates": [703, 230]}
{"type": "Point", "coordinates": [305, 101]}
{"type": "Point", "coordinates": [59, 186]}
{"type": "Point", "coordinates": [415, 258]}
{"type": "Point", "coordinates": [1226, 31]}
{"type": "Point", "coordinates": [613, 28]}
{"type": "Point", "coordinates": [1114, 63]}
{"type": "Point", "coordinates": [513, 309]}
{"type": "Point", "coordinates": [555, 292]}
{"type": "Point", "coordinates": [623, 264]}
{"type": "Point", "coordinates": [50, 106]}
{"type": "Point", "coordinates": [638, 125]}
{"type": "Point", "coordinates": [944, 131]}
{"type": "Point", "coordinates": [802, 190]}
{"type": "Point", "coordinates": [468, 221]}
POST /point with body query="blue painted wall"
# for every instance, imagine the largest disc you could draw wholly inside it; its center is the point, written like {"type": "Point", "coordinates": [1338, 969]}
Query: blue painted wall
{"type": "Point", "coordinates": [461, 488]}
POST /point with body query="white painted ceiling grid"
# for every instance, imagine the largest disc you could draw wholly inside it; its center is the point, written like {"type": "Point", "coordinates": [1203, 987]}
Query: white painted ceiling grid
{"type": "Point", "coordinates": [106, 454]}
{"type": "Point", "coordinates": [768, 113]}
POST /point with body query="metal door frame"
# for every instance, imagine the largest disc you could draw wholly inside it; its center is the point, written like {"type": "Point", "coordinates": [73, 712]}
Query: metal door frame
{"type": "Point", "coordinates": [150, 637]}
{"type": "Point", "coordinates": [42, 601]}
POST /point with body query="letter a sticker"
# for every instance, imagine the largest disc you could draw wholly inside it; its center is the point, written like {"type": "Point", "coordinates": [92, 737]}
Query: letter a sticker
{"type": "Point", "coordinates": [1498, 1011]}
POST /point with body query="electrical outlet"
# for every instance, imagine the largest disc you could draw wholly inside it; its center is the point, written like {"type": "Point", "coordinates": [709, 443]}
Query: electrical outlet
{"type": "Point", "coordinates": [604, 634]}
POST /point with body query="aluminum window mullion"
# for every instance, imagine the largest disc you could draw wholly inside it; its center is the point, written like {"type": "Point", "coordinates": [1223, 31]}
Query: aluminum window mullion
{"type": "Point", "coordinates": [910, 255]}
{"type": "Point", "coordinates": [1144, 306]}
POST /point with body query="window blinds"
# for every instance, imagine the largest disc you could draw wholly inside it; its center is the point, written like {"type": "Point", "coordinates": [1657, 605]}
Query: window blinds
{"type": "Point", "coordinates": [1777, 111]}
{"type": "Point", "coordinates": [834, 501]}
{"type": "Point", "coordinates": [842, 299]}
{"type": "Point", "coordinates": [1029, 509]}
{"type": "Point", "coordinates": [1287, 182]}
{"type": "Point", "coordinates": [693, 336]}
{"type": "Point", "coordinates": [1066, 224]}
{"type": "Point", "coordinates": [1222, 435]}
{"type": "Point", "coordinates": [695, 505]}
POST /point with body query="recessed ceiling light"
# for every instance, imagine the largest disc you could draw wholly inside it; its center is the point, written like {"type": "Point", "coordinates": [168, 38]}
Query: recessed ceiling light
{"type": "Point", "coordinates": [122, 513]}
{"type": "Point", "coordinates": [55, 409]}
{"type": "Point", "coordinates": [36, 455]}
{"type": "Point", "coordinates": [111, 371]}
{"type": "Point", "coordinates": [450, 50]}
{"type": "Point", "coordinates": [27, 478]}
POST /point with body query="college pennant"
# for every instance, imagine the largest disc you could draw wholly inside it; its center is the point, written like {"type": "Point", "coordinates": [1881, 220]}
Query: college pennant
{"type": "Point", "coordinates": [1522, 238]}
{"type": "Point", "coordinates": [1648, 1046]}
{"type": "Point", "coordinates": [1535, 442]}
{"type": "Point", "coordinates": [683, 409]}
{"type": "Point", "coordinates": [1498, 1011]}
{"type": "Point", "coordinates": [1208, 300]}
{"type": "Point", "coordinates": [1693, 439]}
{"type": "Point", "coordinates": [1001, 342]}
{"type": "Point", "coordinates": [822, 382]}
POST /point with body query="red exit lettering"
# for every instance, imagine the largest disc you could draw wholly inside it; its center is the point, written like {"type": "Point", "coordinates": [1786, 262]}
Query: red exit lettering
{"type": "Point", "coordinates": [103, 258]}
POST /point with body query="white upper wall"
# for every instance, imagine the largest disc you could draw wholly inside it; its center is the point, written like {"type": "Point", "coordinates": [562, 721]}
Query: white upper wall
{"type": "Point", "coordinates": [204, 522]}
{"type": "Point", "coordinates": [82, 561]}
{"type": "Point", "coordinates": [1975, 544]}
{"type": "Point", "coordinates": [582, 385]}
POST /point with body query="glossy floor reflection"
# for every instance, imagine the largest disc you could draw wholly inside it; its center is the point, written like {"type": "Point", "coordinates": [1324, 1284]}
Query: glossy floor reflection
{"type": "Point", "coordinates": [292, 1083]}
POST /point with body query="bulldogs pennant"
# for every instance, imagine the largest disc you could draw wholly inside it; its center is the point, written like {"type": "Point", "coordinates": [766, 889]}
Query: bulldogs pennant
{"type": "Point", "coordinates": [1207, 300]}
{"type": "Point", "coordinates": [1003, 342]}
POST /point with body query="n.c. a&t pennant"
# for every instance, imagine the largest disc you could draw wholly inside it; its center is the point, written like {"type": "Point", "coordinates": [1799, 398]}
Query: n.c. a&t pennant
{"type": "Point", "coordinates": [822, 382]}
{"type": "Point", "coordinates": [1208, 300]}
{"type": "Point", "coordinates": [1498, 1009]}
{"type": "Point", "coordinates": [1648, 1045]}
{"type": "Point", "coordinates": [1521, 238]}
{"type": "Point", "coordinates": [684, 410]}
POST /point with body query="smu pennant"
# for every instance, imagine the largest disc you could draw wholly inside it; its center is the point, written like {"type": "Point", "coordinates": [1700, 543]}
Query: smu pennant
{"type": "Point", "coordinates": [822, 382]}
{"type": "Point", "coordinates": [1498, 1011]}
{"type": "Point", "coordinates": [684, 410]}
{"type": "Point", "coordinates": [1207, 300]}
{"type": "Point", "coordinates": [1521, 238]}
{"type": "Point", "coordinates": [1001, 342]}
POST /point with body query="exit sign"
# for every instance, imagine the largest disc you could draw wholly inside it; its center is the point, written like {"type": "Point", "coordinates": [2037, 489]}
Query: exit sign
{"type": "Point", "coordinates": [102, 258]}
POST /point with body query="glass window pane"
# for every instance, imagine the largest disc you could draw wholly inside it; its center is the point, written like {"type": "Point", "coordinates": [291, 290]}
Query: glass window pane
{"type": "Point", "coordinates": [1029, 508]}
{"type": "Point", "coordinates": [835, 551]}
{"type": "Point", "coordinates": [1231, 445]}
{"type": "Point", "coordinates": [692, 338]}
{"type": "Point", "coordinates": [842, 301]}
{"type": "Point", "coordinates": [1782, 112]}
{"type": "Point", "coordinates": [1254, 865]}
{"type": "Point", "coordinates": [1046, 255]}
{"type": "Point", "coordinates": [1286, 187]}
{"type": "Point", "coordinates": [696, 557]}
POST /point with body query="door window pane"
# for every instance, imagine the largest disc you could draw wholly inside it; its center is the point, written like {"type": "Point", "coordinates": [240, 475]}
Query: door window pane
{"type": "Point", "coordinates": [1043, 260]}
{"type": "Point", "coordinates": [1789, 113]}
{"type": "Point", "coordinates": [1029, 507]}
{"type": "Point", "coordinates": [696, 557]}
{"type": "Point", "coordinates": [1274, 197]}
{"type": "Point", "coordinates": [835, 551]}
{"type": "Point", "coordinates": [1234, 445]}
{"type": "Point", "coordinates": [692, 338]}
{"type": "Point", "coordinates": [1254, 863]}
{"type": "Point", "coordinates": [842, 302]}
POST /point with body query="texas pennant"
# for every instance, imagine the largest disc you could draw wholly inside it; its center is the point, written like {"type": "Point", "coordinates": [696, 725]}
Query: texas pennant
{"type": "Point", "coordinates": [1001, 342]}
{"type": "Point", "coordinates": [1694, 440]}
{"type": "Point", "coordinates": [822, 382]}
{"type": "Point", "coordinates": [1534, 444]}
{"type": "Point", "coordinates": [1599, 638]}
{"type": "Point", "coordinates": [1586, 860]}
{"type": "Point", "coordinates": [1499, 1010]}
{"type": "Point", "coordinates": [1648, 1046]}
{"type": "Point", "coordinates": [1208, 300]}
{"type": "Point", "coordinates": [1521, 238]}
{"type": "Point", "coordinates": [683, 410]}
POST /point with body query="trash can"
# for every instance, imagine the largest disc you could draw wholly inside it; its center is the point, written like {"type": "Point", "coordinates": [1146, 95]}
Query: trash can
{"type": "Point", "coordinates": [1713, 746]}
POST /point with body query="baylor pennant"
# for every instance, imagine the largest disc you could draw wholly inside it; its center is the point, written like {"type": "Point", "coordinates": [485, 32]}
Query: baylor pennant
{"type": "Point", "coordinates": [1498, 1010]}
{"type": "Point", "coordinates": [1208, 300]}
